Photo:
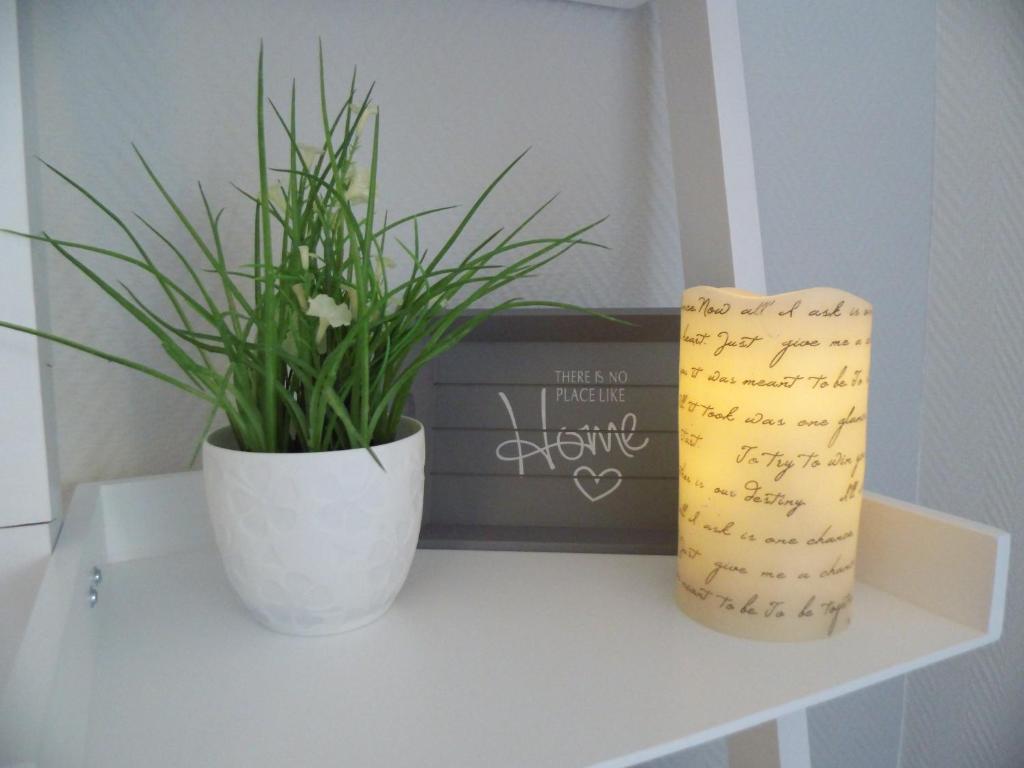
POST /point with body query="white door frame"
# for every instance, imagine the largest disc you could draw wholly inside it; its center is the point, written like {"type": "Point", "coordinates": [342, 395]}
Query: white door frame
{"type": "Point", "coordinates": [29, 490]}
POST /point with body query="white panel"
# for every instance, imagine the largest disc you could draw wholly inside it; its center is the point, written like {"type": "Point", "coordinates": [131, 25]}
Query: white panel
{"type": "Point", "coordinates": [44, 700]}
{"type": "Point", "coordinates": [782, 743]}
{"type": "Point", "coordinates": [25, 488]}
{"type": "Point", "coordinates": [737, 152]}
{"type": "Point", "coordinates": [620, 4]}
{"type": "Point", "coordinates": [692, 107]}
{"type": "Point", "coordinates": [24, 551]}
{"type": "Point", "coordinates": [716, 194]}
{"type": "Point", "coordinates": [935, 561]}
{"type": "Point", "coordinates": [176, 518]}
{"type": "Point", "coordinates": [712, 755]}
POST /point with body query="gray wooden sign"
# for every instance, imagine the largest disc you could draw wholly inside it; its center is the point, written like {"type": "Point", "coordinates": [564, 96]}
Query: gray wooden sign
{"type": "Point", "coordinates": [554, 431]}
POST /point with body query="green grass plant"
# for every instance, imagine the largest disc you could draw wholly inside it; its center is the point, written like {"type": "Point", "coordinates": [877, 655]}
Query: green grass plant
{"type": "Point", "coordinates": [310, 346]}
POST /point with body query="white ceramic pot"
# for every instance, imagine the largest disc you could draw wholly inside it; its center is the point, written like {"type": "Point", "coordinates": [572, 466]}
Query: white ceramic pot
{"type": "Point", "coordinates": [316, 543]}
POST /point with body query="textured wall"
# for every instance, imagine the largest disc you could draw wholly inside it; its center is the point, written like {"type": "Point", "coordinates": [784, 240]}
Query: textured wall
{"type": "Point", "coordinates": [463, 86]}
{"type": "Point", "coordinates": [969, 713]}
{"type": "Point", "coordinates": [841, 112]}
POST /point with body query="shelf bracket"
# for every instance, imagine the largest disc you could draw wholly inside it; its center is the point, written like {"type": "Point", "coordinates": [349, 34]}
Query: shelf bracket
{"type": "Point", "coordinates": [712, 149]}
{"type": "Point", "coordinates": [780, 743]}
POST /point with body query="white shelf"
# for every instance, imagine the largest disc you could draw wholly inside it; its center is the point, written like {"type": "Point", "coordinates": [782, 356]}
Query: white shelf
{"type": "Point", "coordinates": [486, 658]}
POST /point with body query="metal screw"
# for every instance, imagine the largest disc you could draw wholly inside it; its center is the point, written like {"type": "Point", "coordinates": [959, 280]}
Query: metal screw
{"type": "Point", "coordinates": [97, 576]}
{"type": "Point", "coordinates": [94, 597]}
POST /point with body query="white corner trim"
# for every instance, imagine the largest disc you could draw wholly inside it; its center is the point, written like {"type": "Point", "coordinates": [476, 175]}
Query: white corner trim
{"type": "Point", "coordinates": [737, 147]}
{"type": "Point", "coordinates": [622, 5]}
{"type": "Point", "coordinates": [26, 492]}
{"type": "Point", "coordinates": [712, 153]}
{"type": "Point", "coordinates": [780, 743]}
{"type": "Point", "coordinates": [24, 553]}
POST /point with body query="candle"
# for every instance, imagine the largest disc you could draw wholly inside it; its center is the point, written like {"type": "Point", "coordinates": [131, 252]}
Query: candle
{"type": "Point", "coordinates": [773, 395]}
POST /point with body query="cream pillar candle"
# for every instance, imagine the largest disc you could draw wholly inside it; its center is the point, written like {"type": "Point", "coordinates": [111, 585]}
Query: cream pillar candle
{"type": "Point", "coordinates": [773, 394]}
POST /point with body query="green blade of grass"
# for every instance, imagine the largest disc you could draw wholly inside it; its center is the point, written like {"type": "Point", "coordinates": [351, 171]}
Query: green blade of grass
{"type": "Point", "coordinates": [267, 329]}
{"type": "Point", "coordinates": [110, 358]}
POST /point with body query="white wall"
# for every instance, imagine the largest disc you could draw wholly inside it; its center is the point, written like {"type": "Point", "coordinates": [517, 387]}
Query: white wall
{"type": "Point", "coordinates": [969, 713]}
{"type": "Point", "coordinates": [841, 110]}
{"type": "Point", "coordinates": [841, 98]}
{"type": "Point", "coordinates": [463, 86]}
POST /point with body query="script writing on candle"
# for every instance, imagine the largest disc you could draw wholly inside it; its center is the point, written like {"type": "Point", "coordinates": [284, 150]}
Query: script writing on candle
{"type": "Point", "coordinates": [773, 394]}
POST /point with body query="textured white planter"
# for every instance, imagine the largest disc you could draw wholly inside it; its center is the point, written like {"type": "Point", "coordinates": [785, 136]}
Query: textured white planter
{"type": "Point", "coordinates": [316, 543]}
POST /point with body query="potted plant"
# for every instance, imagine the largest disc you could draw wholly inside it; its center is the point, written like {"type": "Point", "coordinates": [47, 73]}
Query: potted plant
{"type": "Point", "coordinates": [315, 486]}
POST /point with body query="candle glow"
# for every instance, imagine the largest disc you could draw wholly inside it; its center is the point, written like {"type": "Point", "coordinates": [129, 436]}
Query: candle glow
{"type": "Point", "coordinates": [772, 430]}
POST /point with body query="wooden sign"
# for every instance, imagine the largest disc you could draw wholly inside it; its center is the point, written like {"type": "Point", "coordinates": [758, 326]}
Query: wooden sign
{"type": "Point", "coordinates": [554, 431]}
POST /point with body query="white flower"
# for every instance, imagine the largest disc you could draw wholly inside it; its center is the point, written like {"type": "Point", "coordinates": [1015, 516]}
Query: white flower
{"type": "Point", "coordinates": [276, 196]}
{"type": "Point", "coordinates": [300, 295]}
{"type": "Point", "coordinates": [288, 345]}
{"type": "Point", "coordinates": [304, 256]}
{"type": "Point", "coordinates": [310, 154]}
{"type": "Point", "coordinates": [368, 114]}
{"type": "Point", "coordinates": [330, 313]}
{"type": "Point", "coordinates": [353, 300]}
{"type": "Point", "coordinates": [382, 263]}
{"type": "Point", "coordinates": [358, 189]}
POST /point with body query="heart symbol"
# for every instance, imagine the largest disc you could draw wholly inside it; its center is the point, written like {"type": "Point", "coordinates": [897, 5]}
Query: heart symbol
{"type": "Point", "coordinates": [595, 479]}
